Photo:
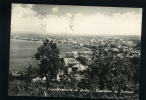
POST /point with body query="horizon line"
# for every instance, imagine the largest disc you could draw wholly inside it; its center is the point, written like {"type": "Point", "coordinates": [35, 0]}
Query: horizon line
{"type": "Point", "coordinates": [71, 34]}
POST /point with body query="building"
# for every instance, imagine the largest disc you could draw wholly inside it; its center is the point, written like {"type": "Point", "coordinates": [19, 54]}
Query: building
{"type": "Point", "coordinates": [72, 61]}
{"type": "Point", "coordinates": [73, 54]}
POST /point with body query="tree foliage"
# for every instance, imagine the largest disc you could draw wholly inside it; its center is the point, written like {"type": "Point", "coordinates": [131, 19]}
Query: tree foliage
{"type": "Point", "coordinates": [50, 63]}
{"type": "Point", "coordinates": [113, 70]}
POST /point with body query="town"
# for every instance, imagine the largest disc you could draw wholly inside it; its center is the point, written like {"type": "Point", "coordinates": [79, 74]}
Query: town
{"type": "Point", "coordinates": [115, 45]}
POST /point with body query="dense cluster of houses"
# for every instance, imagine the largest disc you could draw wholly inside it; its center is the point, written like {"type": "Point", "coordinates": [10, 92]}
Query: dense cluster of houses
{"type": "Point", "coordinates": [71, 58]}
{"type": "Point", "coordinates": [116, 45]}
{"type": "Point", "coordinates": [27, 38]}
{"type": "Point", "coordinates": [119, 47]}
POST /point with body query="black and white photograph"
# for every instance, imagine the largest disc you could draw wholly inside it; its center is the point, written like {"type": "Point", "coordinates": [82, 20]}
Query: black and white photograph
{"type": "Point", "coordinates": [75, 51]}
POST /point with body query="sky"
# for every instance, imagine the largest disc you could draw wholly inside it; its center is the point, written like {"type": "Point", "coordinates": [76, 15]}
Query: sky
{"type": "Point", "coordinates": [75, 20]}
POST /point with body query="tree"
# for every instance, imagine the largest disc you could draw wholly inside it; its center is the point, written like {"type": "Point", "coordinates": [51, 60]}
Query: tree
{"type": "Point", "coordinates": [50, 63]}
{"type": "Point", "coordinates": [111, 71]}
{"type": "Point", "coordinates": [82, 60]}
{"type": "Point", "coordinates": [29, 73]}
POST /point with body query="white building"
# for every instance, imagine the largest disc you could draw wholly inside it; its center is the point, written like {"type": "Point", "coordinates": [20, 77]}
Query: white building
{"type": "Point", "coordinates": [73, 54]}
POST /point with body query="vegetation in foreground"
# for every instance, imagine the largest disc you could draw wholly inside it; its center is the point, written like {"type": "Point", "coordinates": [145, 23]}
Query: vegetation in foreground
{"type": "Point", "coordinates": [118, 73]}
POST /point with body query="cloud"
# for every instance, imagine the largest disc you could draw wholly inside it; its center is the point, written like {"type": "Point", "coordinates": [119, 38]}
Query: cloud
{"type": "Point", "coordinates": [55, 9]}
{"type": "Point", "coordinates": [25, 19]}
{"type": "Point", "coordinates": [69, 14]}
{"type": "Point", "coordinates": [117, 24]}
